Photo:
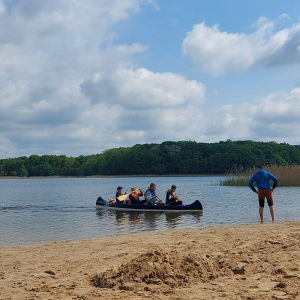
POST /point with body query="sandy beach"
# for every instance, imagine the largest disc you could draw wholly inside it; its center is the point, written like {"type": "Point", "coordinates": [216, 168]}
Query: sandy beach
{"type": "Point", "coordinates": [236, 262]}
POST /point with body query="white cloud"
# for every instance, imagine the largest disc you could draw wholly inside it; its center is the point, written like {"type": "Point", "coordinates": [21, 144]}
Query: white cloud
{"type": "Point", "coordinates": [153, 3]}
{"type": "Point", "coordinates": [284, 16]}
{"type": "Point", "coordinates": [2, 8]}
{"type": "Point", "coordinates": [218, 52]}
{"type": "Point", "coordinates": [141, 88]}
{"type": "Point", "coordinates": [67, 87]}
{"type": "Point", "coordinates": [275, 117]}
{"type": "Point", "coordinates": [120, 124]}
{"type": "Point", "coordinates": [5, 144]}
{"type": "Point", "coordinates": [83, 132]}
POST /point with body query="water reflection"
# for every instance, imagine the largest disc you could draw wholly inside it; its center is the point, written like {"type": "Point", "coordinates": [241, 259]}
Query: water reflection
{"type": "Point", "coordinates": [120, 217]}
{"type": "Point", "coordinates": [176, 220]}
{"type": "Point", "coordinates": [134, 219]}
{"type": "Point", "coordinates": [152, 220]}
{"type": "Point", "coordinates": [172, 220]}
{"type": "Point", "coordinates": [126, 222]}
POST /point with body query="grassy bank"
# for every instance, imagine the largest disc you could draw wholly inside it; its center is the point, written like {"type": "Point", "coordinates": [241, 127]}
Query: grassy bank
{"type": "Point", "coordinates": [287, 176]}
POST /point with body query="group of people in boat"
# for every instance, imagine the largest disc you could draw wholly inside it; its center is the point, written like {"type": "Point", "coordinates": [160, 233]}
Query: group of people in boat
{"type": "Point", "coordinates": [150, 196]}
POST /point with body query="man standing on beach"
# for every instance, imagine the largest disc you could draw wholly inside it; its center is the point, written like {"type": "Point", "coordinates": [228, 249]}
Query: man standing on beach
{"type": "Point", "coordinates": [262, 178]}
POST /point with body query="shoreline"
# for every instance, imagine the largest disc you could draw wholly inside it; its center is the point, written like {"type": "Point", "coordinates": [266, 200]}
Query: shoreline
{"type": "Point", "coordinates": [107, 176]}
{"type": "Point", "coordinates": [233, 262]}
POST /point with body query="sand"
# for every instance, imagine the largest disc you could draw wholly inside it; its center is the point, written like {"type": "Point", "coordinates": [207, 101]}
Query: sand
{"type": "Point", "coordinates": [235, 262]}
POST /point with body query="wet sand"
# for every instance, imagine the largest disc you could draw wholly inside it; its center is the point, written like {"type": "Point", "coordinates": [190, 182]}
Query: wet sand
{"type": "Point", "coordinates": [235, 262]}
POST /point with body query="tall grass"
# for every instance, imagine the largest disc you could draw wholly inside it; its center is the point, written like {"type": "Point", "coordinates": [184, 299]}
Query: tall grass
{"type": "Point", "coordinates": [287, 176]}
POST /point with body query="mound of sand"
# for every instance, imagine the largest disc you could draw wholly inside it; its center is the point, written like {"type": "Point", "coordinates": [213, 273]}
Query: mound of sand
{"type": "Point", "coordinates": [172, 268]}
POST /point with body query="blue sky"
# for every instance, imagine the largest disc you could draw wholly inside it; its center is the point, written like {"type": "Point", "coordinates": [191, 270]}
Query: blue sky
{"type": "Point", "coordinates": [80, 77]}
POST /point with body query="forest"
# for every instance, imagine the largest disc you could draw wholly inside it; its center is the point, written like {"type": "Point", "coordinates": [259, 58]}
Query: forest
{"type": "Point", "coordinates": [167, 158]}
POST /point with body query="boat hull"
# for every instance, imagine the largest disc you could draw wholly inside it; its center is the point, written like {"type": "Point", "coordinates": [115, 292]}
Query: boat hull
{"type": "Point", "coordinates": [104, 204]}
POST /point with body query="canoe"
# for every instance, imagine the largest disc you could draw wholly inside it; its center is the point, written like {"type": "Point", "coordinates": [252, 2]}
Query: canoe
{"type": "Point", "coordinates": [105, 204]}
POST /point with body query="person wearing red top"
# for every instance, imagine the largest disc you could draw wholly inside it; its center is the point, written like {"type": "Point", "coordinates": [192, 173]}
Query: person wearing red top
{"type": "Point", "coordinates": [134, 196]}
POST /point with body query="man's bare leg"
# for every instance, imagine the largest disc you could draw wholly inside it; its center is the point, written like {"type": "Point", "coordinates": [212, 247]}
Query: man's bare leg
{"type": "Point", "coordinates": [261, 214]}
{"type": "Point", "coordinates": [272, 211]}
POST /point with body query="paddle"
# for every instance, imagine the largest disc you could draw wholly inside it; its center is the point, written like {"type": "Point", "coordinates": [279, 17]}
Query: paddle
{"type": "Point", "coordinates": [123, 197]}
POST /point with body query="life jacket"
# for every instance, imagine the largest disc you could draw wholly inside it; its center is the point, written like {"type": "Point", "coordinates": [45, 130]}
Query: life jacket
{"type": "Point", "coordinates": [134, 195]}
{"type": "Point", "coordinates": [151, 192]}
{"type": "Point", "coordinates": [118, 195]}
{"type": "Point", "coordinates": [170, 195]}
{"type": "Point", "coordinates": [111, 200]}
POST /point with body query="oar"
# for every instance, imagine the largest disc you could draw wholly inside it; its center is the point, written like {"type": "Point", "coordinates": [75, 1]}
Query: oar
{"type": "Point", "coordinates": [123, 197]}
{"type": "Point", "coordinates": [159, 199]}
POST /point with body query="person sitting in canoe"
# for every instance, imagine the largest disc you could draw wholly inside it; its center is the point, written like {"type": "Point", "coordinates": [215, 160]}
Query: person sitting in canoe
{"type": "Point", "coordinates": [119, 193]}
{"type": "Point", "coordinates": [171, 197]}
{"type": "Point", "coordinates": [134, 196]}
{"type": "Point", "coordinates": [150, 195]}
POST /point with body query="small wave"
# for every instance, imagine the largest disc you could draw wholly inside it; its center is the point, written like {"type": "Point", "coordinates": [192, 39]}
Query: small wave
{"type": "Point", "coordinates": [6, 207]}
{"type": "Point", "coordinates": [43, 207]}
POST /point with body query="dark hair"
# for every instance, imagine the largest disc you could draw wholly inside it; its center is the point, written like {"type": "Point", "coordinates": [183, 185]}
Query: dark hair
{"type": "Point", "coordinates": [260, 166]}
{"type": "Point", "coordinates": [173, 187]}
{"type": "Point", "coordinates": [152, 184]}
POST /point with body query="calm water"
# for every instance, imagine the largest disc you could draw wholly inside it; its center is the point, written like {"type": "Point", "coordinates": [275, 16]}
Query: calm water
{"type": "Point", "coordinates": [46, 210]}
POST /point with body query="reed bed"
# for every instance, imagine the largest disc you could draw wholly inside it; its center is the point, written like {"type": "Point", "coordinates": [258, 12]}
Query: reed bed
{"type": "Point", "coordinates": [287, 176]}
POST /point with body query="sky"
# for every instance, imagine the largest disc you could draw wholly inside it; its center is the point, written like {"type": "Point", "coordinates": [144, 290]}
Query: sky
{"type": "Point", "coordinates": [80, 77]}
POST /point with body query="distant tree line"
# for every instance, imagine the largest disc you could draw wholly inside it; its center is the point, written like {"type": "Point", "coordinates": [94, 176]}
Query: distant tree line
{"type": "Point", "coordinates": [167, 158]}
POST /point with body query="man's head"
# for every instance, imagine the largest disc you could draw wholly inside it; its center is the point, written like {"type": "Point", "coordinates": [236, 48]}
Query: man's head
{"type": "Point", "coordinates": [173, 187]}
{"type": "Point", "coordinates": [133, 188]}
{"type": "Point", "coordinates": [260, 166]}
{"type": "Point", "coordinates": [119, 188]}
{"type": "Point", "coordinates": [153, 186]}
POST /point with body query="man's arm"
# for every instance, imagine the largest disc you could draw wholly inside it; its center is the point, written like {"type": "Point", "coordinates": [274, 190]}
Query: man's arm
{"type": "Point", "coordinates": [251, 184]}
{"type": "Point", "coordinates": [275, 180]}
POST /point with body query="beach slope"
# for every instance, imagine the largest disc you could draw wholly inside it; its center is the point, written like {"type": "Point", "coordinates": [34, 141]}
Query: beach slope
{"type": "Point", "coordinates": [234, 262]}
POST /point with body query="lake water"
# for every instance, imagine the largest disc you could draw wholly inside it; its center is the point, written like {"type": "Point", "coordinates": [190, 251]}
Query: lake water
{"type": "Point", "coordinates": [60, 209]}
